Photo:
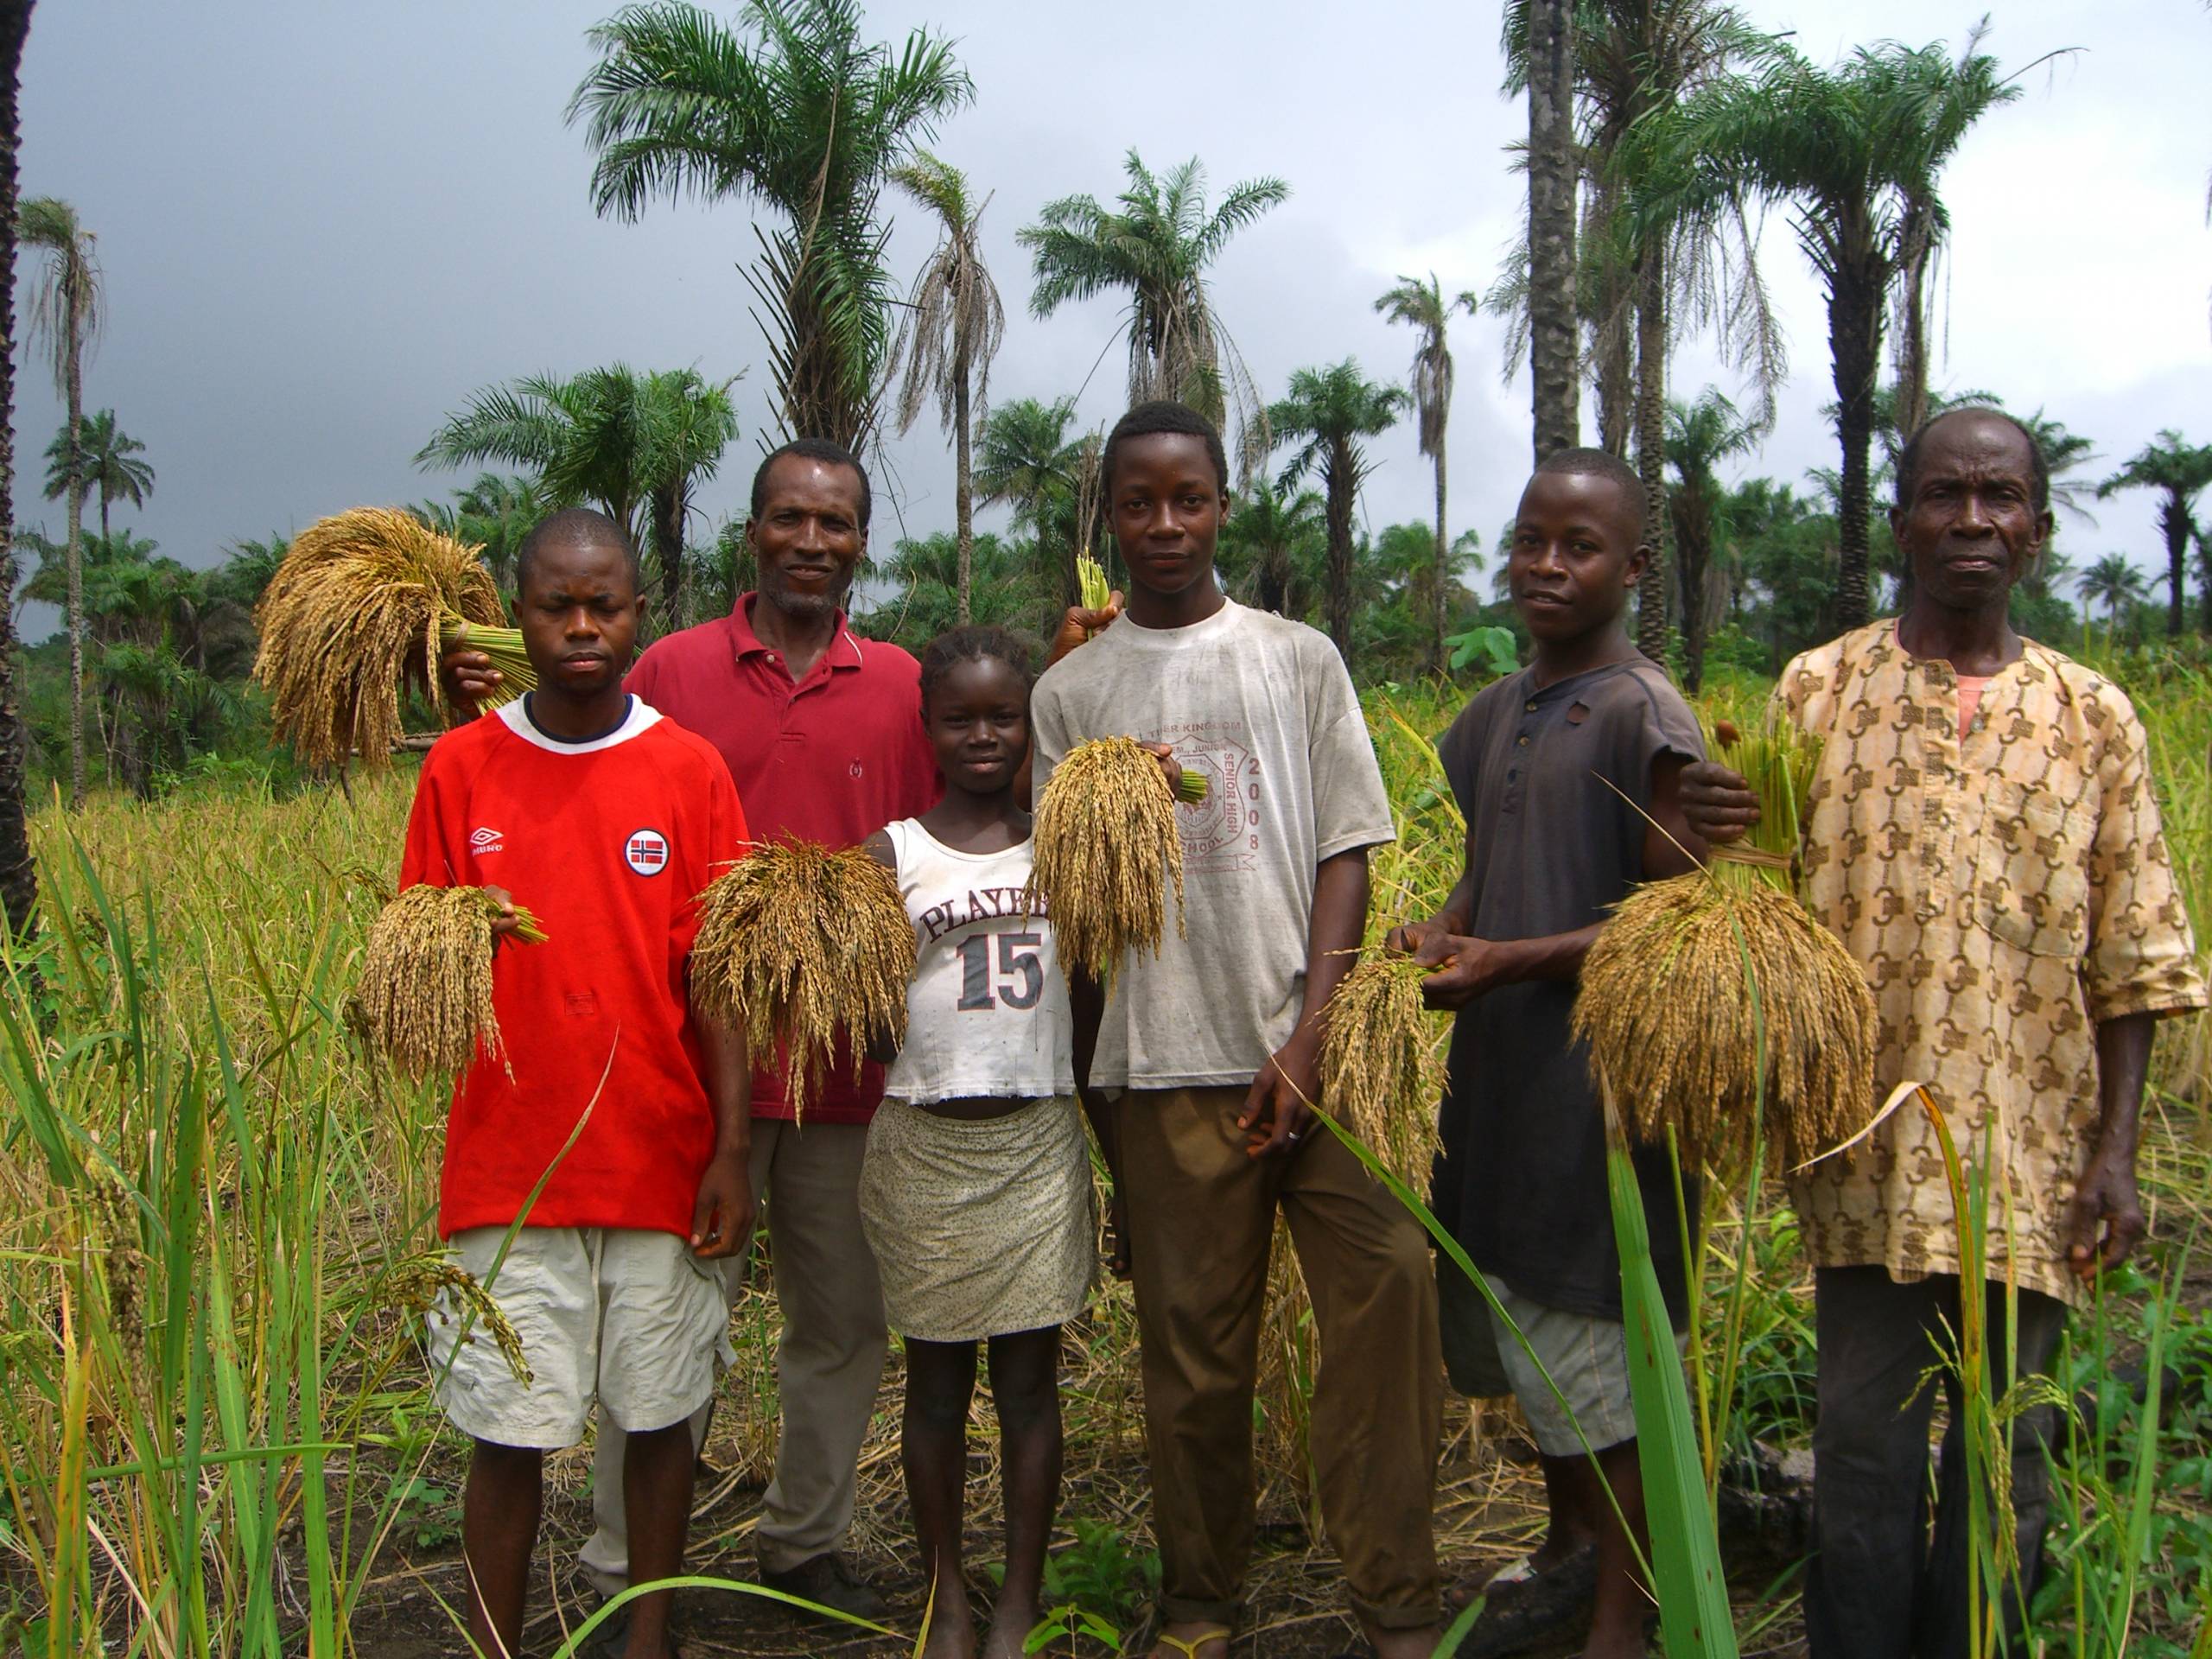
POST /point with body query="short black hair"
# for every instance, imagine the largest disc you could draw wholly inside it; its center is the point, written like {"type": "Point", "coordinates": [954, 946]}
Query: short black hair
{"type": "Point", "coordinates": [974, 644]}
{"type": "Point", "coordinates": [821, 449]}
{"type": "Point", "coordinates": [572, 527]}
{"type": "Point", "coordinates": [1602, 463]}
{"type": "Point", "coordinates": [1148, 419]}
{"type": "Point", "coordinates": [1907, 468]}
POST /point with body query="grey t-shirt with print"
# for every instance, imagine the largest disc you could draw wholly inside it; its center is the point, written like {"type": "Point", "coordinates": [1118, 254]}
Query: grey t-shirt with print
{"type": "Point", "coordinates": [1263, 707]}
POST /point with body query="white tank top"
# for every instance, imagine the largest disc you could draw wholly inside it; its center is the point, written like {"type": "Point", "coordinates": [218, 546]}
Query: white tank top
{"type": "Point", "coordinates": [987, 1012]}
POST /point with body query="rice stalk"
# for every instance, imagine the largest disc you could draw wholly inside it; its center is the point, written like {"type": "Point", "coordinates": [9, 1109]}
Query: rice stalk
{"type": "Point", "coordinates": [1667, 1006]}
{"type": "Point", "coordinates": [1091, 576]}
{"type": "Point", "coordinates": [363, 604]}
{"type": "Point", "coordinates": [425, 999]}
{"type": "Point", "coordinates": [1777, 759]}
{"type": "Point", "coordinates": [1107, 851]}
{"type": "Point", "coordinates": [419, 1284]}
{"type": "Point", "coordinates": [798, 945]}
{"type": "Point", "coordinates": [1382, 1069]}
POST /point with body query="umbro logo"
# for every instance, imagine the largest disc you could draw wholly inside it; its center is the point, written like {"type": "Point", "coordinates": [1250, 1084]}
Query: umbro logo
{"type": "Point", "coordinates": [481, 841]}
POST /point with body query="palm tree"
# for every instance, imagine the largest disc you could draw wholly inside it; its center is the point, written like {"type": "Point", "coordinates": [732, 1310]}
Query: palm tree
{"type": "Point", "coordinates": [1700, 436]}
{"type": "Point", "coordinates": [1156, 248]}
{"type": "Point", "coordinates": [1856, 151]}
{"type": "Point", "coordinates": [1026, 461]}
{"type": "Point", "coordinates": [1422, 305]}
{"type": "Point", "coordinates": [929, 567]}
{"type": "Point", "coordinates": [18, 875]}
{"type": "Point", "coordinates": [1269, 540]}
{"type": "Point", "coordinates": [2112, 582]}
{"type": "Point", "coordinates": [496, 512]}
{"type": "Point", "coordinates": [793, 111]}
{"type": "Point", "coordinates": [66, 312]}
{"type": "Point", "coordinates": [1555, 372]}
{"type": "Point", "coordinates": [1330, 411]}
{"type": "Point", "coordinates": [635, 445]}
{"type": "Point", "coordinates": [2177, 470]}
{"type": "Point", "coordinates": [1646, 274]}
{"type": "Point", "coordinates": [953, 332]}
{"type": "Point", "coordinates": [106, 459]}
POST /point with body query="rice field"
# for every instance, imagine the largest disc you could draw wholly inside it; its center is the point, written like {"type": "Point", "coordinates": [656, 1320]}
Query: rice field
{"type": "Point", "coordinates": [216, 1436]}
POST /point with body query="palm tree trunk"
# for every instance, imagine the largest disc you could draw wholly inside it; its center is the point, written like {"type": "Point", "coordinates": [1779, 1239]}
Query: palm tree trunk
{"type": "Point", "coordinates": [963, 490]}
{"type": "Point", "coordinates": [1556, 424]}
{"type": "Point", "coordinates": [1341, 477]}
{"type": "Point", "coordinates": [2203, 579]}
{"type": "Point", "coordinates": [2173, 518]}
{"type": "Point", "coordinates": [76, 617]}
{"type": "Point", "coordinates": [1912, 343]}
{"type": "Point", "coordinates": [1274, 579]}
{"type": "Point", "coordinates": [1854, 349]}
{"type": "Point", "coordinates": [669, 508]}
{"type": "Point", "coordinates": [18, 875]}
{"type": "Point", "coordinates": [1436, 653]}
{"type": "Point", "coordinates": [1651, 450]}
{"type": "Point", "coordinates": [1616, 367]}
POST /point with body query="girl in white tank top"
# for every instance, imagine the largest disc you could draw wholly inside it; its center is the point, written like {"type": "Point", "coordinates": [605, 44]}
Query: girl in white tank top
{"type": "Point", "coordinates": [975, 1195]}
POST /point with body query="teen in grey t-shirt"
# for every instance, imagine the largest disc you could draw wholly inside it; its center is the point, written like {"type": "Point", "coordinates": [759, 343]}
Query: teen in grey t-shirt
{"type": "Point", "coordinates": [1215, 1045]}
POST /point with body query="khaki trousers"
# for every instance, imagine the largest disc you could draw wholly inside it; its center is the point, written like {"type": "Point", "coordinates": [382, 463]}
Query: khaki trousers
{"type": "Point", "coordinates": [828, 1361]}
{"type": "Point", "coordinates": [1201, 1221]}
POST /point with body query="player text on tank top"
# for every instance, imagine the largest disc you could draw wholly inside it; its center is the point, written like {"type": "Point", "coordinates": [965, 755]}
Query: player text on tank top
{"type": "Point", "coordinates": [987, 1015]}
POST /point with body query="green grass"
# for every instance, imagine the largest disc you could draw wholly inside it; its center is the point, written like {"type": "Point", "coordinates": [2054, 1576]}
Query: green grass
{"type": "Point", "coordinates": [215, 1432]}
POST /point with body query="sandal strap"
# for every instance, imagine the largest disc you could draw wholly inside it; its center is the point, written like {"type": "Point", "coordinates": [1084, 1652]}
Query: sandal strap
{"type": "Point", "coordinates": [1189, 1648]}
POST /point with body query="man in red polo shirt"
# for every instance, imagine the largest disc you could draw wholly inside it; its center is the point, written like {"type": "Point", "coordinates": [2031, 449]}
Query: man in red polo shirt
{"type": "Point", "coordinates": [823, 732]}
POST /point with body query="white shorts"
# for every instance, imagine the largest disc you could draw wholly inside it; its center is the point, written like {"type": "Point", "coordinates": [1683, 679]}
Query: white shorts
{"type": "Point", "coordinates": [626, 1318]}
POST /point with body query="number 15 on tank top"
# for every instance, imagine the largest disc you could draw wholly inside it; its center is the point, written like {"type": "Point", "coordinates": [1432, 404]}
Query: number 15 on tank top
{"type": "Point", "coordinates": [1020, 978]}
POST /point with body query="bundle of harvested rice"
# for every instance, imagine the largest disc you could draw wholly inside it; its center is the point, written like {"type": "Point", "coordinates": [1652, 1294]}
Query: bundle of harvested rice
{"type": "Point", "coordinates": [1382, 1072]}
{"type": "Point", "coordinates": [364, 602]}
{"type": "Point", "coordinates": [1717, 1008]}
{"type": "Point", "coordinates": [798, 943]}
{"type": "Point", "coordinates": [1106, 849]}
{"type": "Point", "coordinates": [425, 999]}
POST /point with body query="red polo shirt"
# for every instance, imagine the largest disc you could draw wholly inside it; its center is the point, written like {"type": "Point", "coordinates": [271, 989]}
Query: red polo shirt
{"type": "Point", "coordinates": [831, 759]}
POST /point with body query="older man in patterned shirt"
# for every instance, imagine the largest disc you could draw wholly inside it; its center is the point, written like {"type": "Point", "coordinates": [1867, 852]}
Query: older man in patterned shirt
{"type": "Point", "coordinates": [1984, 836]}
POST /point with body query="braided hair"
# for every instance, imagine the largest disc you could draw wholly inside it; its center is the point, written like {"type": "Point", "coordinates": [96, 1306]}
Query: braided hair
{"type": "Point", "coordinates": [974, 644]}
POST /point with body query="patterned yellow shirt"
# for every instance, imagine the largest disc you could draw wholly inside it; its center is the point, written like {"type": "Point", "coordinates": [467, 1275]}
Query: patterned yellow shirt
{"type": "Point", "coordinates": [2006, 892]}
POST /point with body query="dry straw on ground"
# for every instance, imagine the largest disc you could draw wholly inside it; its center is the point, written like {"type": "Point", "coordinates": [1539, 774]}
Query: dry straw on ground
{"type": "Point", "coordinates": [1718, 1008]}
{"type": "Point", "coordinates": [425, 999]}
{"type": "Point", "coordinates": [798, 945]}
{"type": "Point", "coordinates": [362, 605]}
{"type": "Point", "coordinates": [1382, 1073]}
{"type": "Point", "coordinates": [1107, 851]}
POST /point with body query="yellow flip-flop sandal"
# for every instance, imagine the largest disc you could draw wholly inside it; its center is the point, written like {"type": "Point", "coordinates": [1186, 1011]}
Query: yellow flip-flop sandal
{"type": "Point", "coordinates": [1189, 1648]}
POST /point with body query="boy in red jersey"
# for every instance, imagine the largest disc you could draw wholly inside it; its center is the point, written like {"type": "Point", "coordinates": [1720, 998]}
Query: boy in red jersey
{"type": "Point", "coordinates": [606, 820]}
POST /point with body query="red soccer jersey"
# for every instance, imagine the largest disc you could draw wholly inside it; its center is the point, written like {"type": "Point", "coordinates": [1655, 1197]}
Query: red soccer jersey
{"type": "Point", "coordinates": [831, 759]}
{"type": "Point", "coordinates": [608, 842]}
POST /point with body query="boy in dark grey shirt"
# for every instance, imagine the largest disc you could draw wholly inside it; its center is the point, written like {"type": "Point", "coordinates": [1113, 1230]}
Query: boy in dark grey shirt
{"type": "Point", "coordinates": [1555, 769]}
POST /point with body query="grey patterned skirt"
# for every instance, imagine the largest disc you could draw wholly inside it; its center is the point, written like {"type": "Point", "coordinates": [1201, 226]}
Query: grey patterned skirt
{"type": "Point", "coordinates": [980, 1227]}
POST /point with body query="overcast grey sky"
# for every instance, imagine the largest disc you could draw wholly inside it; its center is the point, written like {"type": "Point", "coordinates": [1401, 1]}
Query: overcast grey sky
{"type": "Point", "coordinates": [322, 226]}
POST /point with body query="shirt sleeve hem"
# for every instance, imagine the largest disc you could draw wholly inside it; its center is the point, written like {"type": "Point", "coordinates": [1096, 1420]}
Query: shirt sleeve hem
{"type": "Point", "coordinates": [2120, 1004]}
{"type": "Point", "coordinates": [1370, 836]}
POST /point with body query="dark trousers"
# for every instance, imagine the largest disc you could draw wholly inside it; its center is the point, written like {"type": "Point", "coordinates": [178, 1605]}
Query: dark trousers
{"type": "Point", "coordinates": [1202, 1218]}
{"type": "Point", "coordinates": [1878, 1587]}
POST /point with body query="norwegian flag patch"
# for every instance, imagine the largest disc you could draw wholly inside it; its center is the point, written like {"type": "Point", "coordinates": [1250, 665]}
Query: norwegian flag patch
{"type": "Point", "coordinates": [646, 851]}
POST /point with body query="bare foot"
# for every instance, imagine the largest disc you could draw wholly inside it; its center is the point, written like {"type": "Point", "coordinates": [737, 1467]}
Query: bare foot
{"type": "Point", "coordinates": [1192, 1639]}
{"type": "Point", "coordinates": [952, 1626]}
{"type": "Point", "coordinates": [1402, 1644]}
{"type": "Point", "coordinates": [1560, 1545]}
{"type": "Point", "coordinates": [1011, 1622]}
{"type": "Point", "coordinates": [1616, 1639]}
